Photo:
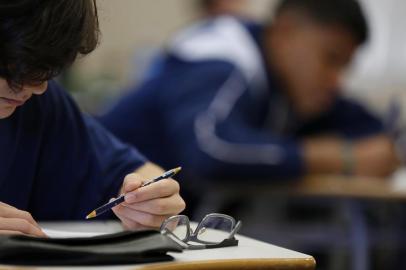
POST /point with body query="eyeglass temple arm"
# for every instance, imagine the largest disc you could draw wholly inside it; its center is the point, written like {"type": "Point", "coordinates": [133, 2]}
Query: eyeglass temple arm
{"type": "Point", "coordinates": [174, 238]}
{"type": "Point", "coordinates": [236, 229]}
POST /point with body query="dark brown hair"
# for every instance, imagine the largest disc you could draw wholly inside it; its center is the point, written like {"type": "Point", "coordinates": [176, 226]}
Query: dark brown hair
{"type": "Point", "coordinates": [40, 38]}
{"type": "Point", "coordinates": [345, 13]}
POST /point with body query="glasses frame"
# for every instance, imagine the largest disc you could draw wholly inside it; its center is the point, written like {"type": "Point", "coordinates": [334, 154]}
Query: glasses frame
{"type": "Point", "coordinates": [192, 235]}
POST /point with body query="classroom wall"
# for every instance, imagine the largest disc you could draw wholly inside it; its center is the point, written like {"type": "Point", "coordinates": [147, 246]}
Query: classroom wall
{"type": "Point", "coordinates": [128, 25]}
{"type": "Point", "coordinates": [379, 73]}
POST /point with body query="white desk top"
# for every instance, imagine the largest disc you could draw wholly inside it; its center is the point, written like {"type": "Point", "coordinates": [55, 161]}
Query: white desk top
{"type": "Point", "coordinates": [248, 249]}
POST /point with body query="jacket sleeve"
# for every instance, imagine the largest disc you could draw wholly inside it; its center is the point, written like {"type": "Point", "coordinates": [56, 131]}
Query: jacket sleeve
{"type": "Point", "coordinates": [207, 114]}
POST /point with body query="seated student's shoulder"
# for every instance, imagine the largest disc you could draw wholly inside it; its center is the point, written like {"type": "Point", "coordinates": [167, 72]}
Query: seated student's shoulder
{"type": "Point", "coordinates": [220, 46]}
{"type": "Point", "coordinates": [55, 95]}
{"type": "Point", "coordinates": [56, 101]}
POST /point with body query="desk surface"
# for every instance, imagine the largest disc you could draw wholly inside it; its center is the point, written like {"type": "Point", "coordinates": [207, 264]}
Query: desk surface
{"type": "Point", "coordinates": [250, 254]}
{"type": "Point", "coordinates": [351, 187]}
{"type": "Point", "coordinates": [323, 186]}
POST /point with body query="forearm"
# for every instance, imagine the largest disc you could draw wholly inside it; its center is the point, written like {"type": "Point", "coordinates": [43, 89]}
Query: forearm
{"type": "Point", "coordinates": [324, 156]}
{"type": "Point", "coordinates": [374, 156]}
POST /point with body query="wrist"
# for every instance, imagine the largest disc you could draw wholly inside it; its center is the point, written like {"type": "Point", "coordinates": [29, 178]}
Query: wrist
{"type": "Point", "coordinates": [323, 156]}
{"type": "Point", "coordinates": [348, 158]}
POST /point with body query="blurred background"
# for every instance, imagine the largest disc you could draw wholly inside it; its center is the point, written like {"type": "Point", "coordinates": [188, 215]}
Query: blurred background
{"type": "Point", "coordinates": [133, 32]}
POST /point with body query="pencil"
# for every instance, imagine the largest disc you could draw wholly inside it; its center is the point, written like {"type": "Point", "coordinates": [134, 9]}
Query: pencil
{"type": "Point", "coordinates": [121, 199]}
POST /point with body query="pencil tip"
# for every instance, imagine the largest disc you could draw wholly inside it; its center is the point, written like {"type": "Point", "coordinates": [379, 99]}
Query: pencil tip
{"type": "Point", "coordinates": [177, 169]}
{"type": "Point", "coordinates": [91, 215]}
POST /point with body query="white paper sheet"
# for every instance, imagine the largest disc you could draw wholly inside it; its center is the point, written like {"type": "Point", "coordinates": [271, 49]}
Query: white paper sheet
{"type": "Point", "coordinates": [67, 234]}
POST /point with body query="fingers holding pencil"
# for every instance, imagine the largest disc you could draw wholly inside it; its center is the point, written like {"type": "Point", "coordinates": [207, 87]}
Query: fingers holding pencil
{"type": "Point", "coordinates": [145, 204]}
{"type": "Point", "coordinates": [132, 182]}
{"type": "Point", "coordinates": [161, 189]}
{"type": "Point", "coordinates": [151, 205]}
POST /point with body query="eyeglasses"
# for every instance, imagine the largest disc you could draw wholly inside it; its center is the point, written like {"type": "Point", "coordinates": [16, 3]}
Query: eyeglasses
{"type": "Point", "coordinates": [213, 231]}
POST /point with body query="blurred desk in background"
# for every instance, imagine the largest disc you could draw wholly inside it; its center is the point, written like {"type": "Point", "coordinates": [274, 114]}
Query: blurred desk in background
{"type": "Point", "coordinates": [322, 186]}
{"type": "Point", "coordinates": [347, 196]}
{"type": "Point", "coordinates": [350, 187]}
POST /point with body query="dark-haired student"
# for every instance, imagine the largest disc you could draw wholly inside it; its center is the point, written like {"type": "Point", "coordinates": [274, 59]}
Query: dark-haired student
{"type": "Point", "coordinates": [55, 162]}
{"type": "Point", "coordinates": [240, 101]}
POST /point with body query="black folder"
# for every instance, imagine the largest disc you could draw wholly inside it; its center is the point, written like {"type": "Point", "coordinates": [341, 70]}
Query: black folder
{"type": "Point", "coordinates": [111, 249]}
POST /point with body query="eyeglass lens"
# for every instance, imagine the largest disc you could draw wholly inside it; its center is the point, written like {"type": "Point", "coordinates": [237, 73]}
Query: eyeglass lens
{"type": "Point", "coordinates": [179, 226]}
{"type": "Point", "coordinates": [214, 229]}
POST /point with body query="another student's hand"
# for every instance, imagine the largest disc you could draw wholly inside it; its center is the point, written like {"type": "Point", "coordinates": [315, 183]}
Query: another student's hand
{"type": "Point", "coordinates": [375, 156]}
{"type": "Point", "coordinates": [148, 206]}
{"type": "Point", "coordinates": [14, 221]}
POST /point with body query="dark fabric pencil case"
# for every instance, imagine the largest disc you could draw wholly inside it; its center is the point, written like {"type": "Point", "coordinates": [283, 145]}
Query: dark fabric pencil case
{"type": "Point", "coordinates": [112, 249]}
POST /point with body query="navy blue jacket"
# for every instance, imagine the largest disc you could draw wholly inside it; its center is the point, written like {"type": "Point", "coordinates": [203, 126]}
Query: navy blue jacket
{"type": "Point", "coordinates": [57, 163]}
{"type": "Point", "coordinates": [215, 109]}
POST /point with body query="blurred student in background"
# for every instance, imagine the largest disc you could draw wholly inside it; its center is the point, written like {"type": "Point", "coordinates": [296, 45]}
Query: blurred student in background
{"type": "Point", "coordinates": [237, 101]}
{"type": "Point", "coordinates": [261, 100]}
{"type": "Point", "coordinates": [241, 101]}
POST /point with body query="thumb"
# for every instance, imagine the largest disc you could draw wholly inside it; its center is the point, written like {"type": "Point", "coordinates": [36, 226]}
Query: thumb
{"type": "Point", "coordinates": [132, 182]}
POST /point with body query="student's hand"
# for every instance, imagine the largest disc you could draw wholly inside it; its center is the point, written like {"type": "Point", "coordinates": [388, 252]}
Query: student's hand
{"type": "Point", "coordinates": [375, 156]}
{"type": "Point", "coordinates": [14, 221]}
{"type": "Point", "coordinates": [149, 206]}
